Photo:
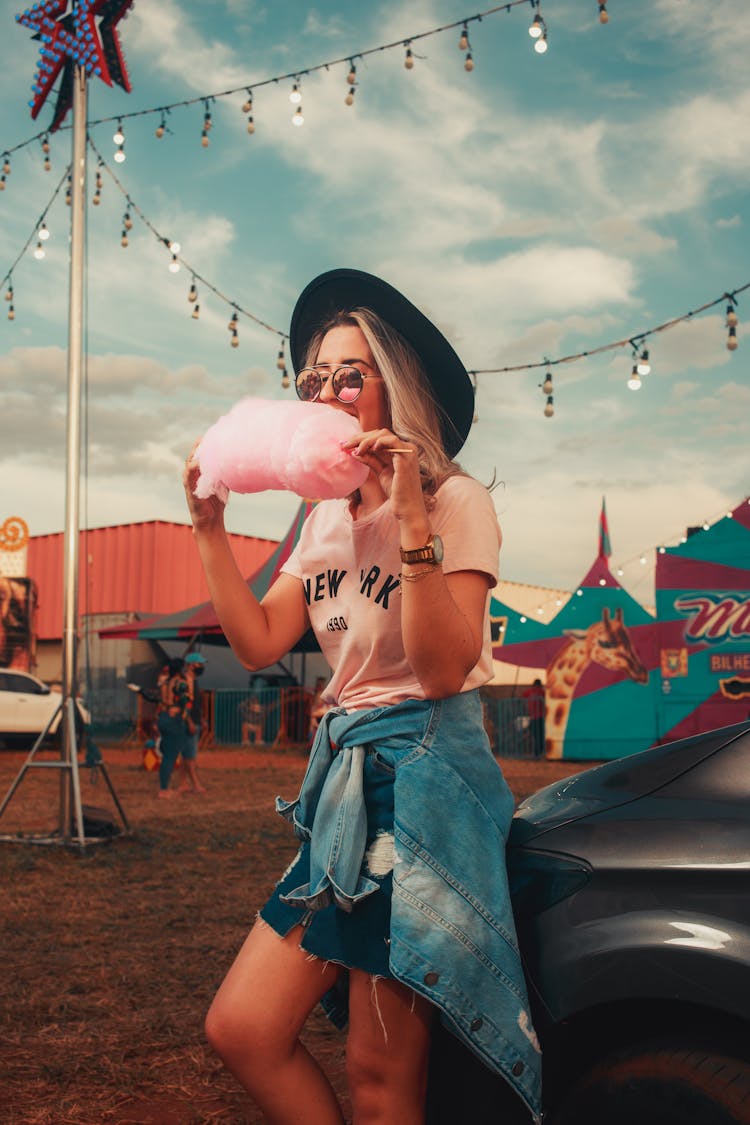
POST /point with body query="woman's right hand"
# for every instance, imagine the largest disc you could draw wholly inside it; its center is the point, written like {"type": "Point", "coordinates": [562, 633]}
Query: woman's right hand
{"type": "Point", "coordinates": [208, 514]}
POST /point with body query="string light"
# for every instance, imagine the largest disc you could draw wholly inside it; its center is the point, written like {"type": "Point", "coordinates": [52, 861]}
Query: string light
{"type": "Point", "coordinates": [297, 118]}
{"type": "Point", "coordinates": [603, 13]}
{"type": "Point", "coordinates": [731, 322]}
{"type": "Point", "coordinates": [295, 97]}
{"type": "Point", "coordinates": [45, 150]}
{"type": "Point", "coordinates": [547, 384]}
{"type": "Point", "coordinates": [409, 59]}
{"type": "Point", "coordinates": [235, 341]}
{"type": "Point", "coordinates": [463, 43]}
{"type": "Point", "coordinates": [161, 128]}
{"type": "Point", "coordinates": [207, 123]}
{"type": "Point", "coordinates": [40, 252]}
{"type": "Point", "coordinates": [549, 408]}
{"type": "Point", "coordinates": [193, 292]}
{"type": "Point", "coordinates": [634, 382]}
{"type": "Point", "coordinates": [43, 232]}
{"type": "Point", "coordinates": [643, 366]}
{"type": "Point", "coordinates": [196, 312]}
{"type": "Point", "coordinates": [119, 136]}
{"type": "Point", "coordinates": [248, 108]}
{"type": "Point", "coordinates": [351, 79]}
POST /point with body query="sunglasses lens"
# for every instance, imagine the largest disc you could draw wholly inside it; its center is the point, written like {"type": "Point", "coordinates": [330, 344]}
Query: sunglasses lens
{"type": "Point", "coordinates": [347, 384]}
{"type": "Point", "coordinates": [307, 384]}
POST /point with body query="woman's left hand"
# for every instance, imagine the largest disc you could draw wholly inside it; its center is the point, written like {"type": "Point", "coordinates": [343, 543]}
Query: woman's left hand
{"type": "Point", "coordinates": [395, 463]}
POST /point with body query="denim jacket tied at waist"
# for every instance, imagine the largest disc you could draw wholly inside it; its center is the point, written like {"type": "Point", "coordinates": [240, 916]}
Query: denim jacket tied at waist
{"type": "Point", "coordinates": [453, 938]}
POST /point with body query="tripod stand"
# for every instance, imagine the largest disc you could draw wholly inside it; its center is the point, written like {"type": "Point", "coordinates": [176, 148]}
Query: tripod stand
{"type": "Point", "coordinates": [70, 828]}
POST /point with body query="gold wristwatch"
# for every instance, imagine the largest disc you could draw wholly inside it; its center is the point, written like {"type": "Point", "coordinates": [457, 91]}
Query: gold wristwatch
{"type": "Point", "coordinates": [432, 552]}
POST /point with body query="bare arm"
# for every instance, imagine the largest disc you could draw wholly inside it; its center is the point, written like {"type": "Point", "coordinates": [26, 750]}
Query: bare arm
{"type": "Point", "coordinates": [259, 632]}
{"type": "Point", "coordinates": [457, 601]}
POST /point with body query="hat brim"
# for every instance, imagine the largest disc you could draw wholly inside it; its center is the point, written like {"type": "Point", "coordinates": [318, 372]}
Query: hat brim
{"type": "Point", "coordinates": [342, 290]}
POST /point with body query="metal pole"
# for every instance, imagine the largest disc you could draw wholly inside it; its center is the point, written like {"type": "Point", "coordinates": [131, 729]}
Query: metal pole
{"type": "Point", "coordinates": [69, 750]}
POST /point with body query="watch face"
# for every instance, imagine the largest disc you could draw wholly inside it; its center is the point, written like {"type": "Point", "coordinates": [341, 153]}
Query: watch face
{"type": "Point", "coordinates": [437, 548]}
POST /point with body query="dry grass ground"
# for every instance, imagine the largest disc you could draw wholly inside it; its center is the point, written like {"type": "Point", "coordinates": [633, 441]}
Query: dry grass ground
{"type": "Point", "coordinates": [110, 955]}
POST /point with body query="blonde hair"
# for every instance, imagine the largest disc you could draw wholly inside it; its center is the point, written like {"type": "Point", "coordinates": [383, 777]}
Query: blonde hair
{"type": "Point", "coordinates": [414, 414]}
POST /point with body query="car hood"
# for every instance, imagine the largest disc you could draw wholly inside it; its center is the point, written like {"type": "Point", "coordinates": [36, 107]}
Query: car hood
{"type": "Point", "coordinates": [614, 783]}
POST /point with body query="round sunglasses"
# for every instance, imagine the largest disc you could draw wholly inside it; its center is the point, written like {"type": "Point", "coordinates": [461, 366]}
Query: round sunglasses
{"type": "Point", "coordinates": [346, 382]}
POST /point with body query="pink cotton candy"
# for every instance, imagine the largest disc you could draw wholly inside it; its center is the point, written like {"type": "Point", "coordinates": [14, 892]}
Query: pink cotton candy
{"type": "Point", "coordinates": [294, 446]}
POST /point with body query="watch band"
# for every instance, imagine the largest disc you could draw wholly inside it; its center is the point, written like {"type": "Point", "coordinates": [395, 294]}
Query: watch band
{"type": "Point", "coordinates": [432, 552]}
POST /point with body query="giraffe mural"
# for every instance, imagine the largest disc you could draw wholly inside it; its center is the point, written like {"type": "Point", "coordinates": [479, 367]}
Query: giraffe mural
{"type": "Point", "coordinates": [605, 642]}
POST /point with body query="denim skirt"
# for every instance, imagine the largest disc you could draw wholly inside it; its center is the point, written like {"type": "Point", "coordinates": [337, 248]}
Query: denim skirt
{"type": "Point", "coordinates": [360, 939]}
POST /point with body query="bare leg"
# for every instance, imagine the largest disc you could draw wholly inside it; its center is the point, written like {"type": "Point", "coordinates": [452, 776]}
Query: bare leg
{"type": "Point", "coordinates": [255, 1021]}
{"type": "Point", "coordinates": [387, 1051]}
{"type": "Point", "coordinates": [191, 781]}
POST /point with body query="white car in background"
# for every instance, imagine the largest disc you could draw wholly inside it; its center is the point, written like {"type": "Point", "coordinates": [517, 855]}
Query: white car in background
{"type": "Point", "coordinates": [26, 707]}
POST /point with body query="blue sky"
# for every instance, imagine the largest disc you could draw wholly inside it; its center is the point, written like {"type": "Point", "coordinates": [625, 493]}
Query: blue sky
{"type": "Point", "coordinates": [536, 207]}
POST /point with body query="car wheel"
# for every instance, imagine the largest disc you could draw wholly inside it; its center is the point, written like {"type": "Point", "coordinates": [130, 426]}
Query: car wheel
{"type": "Point", "coordinates": [660, 1086]}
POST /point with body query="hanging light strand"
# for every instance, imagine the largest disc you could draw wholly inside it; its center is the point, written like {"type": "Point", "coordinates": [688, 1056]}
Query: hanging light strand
{"type": "Point", "coordinates": [641, 336]}
{"type": "Point", "coordinates": [38, 226]}
{"type": "Point", "coordinates": [248, 89]}
{"type": "Point", "coordinates": [176, 255]}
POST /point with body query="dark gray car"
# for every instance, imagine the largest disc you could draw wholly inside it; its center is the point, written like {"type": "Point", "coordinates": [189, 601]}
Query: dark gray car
{"type": "Point", "coordinates": [631, 887]}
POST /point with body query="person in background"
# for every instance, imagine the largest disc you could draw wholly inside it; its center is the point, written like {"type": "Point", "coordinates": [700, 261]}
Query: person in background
{"type": "Point", "coordinates": [318, 707]}
{"type": "Point", "coordinates": [535, 704]}
{"type": "Point", "coordinates": [174, 708]}
{"type": "Point", "coordinates": [195, 664]}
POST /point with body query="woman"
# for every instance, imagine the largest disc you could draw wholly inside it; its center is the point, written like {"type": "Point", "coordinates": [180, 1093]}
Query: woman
{"type": "Point", "coordinates": [174, 708]}
{"type": "Point", "coordinates": [399, 889]}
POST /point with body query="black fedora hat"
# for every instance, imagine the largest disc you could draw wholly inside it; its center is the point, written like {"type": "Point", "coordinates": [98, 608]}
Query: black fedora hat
{"type": "Point", "coordinates": [342, 290]}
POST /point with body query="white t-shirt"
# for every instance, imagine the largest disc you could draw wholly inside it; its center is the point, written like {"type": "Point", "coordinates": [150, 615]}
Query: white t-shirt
{"type": "Point", "coordinates": [349, 570]}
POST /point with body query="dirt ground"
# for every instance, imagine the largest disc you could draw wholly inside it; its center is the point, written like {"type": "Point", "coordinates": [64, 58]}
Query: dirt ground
{"type": "Point", "coordinates": [111, 954]}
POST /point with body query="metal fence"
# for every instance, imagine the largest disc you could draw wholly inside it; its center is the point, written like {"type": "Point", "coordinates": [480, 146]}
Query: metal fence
{"type": "Point", "coordinates": [281, 716]}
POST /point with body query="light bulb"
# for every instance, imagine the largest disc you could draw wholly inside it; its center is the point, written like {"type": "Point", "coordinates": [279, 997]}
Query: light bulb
{"type": "Point", "coordinates": [40, 252]}
{"type": "Point", "coordinates": [295, 97]}
{"type": "Point", "coordinates": [127, 222]}
{"type": "Point", "coordinates": [351, 77]}
{"type": "Point", "coordinates": [97, 199]}
{"type": "Point", "coordinates": [297, 118]}
{"type": "Point", "coordinates": [469, 63]}
{"type": "Point", "coordinates": [250, 125]}
{"type": "Point", "coordinates": [285, 381]}
{"type": "Point", "coordinates": [349, 99]}
{"type": "Point", "coordinates": [11, 313]}
{"type": "Point", "coordinates": [193, 294]}
{"type": "Point", "coordinates": [174, 265]}
{"type": "Point", "coordinates": [549, 408]}
{"type": "Point", "coordinates": [643, 367]}
{"type": "Point", "coordinates": [409, 60]}
{"type": "Point", "coordinates": [9, 294]}
{"type": "Point", "coordinates": [603, 14]}
{"type": "Point", "coordinates": [43, 232]}
{"type": "Point", "coordinates": [732, 339]}
{"type": "Point", "coordinates": [235, 341]}
{"type": "Point", "coordinates": [160, 131]}
{"type": "Point", "coordinates": [541, 45]}
{"type": "Point", "coordinates": [175, 247]}
{"type": "Point", "coordinates": [463, 42]}
{"type": "Point", "coordinates": [634, 382]}
{"type": "Point", "coordinates": [280, 360]}
{"type": "Point", "coordinates": [6, 167]}
{"type": "Point", "coordinates": [547, 385]}
{"type": "Point", "coordinates": [196, 312]}
{"type": "Point", "coordinates": [731, 317]}
{"type": "Point", "coordinates": [124, 238]}
{"type": "Point", "coordinates": [2, 183]}
{"type": "Point", "coordinates": [204, 139]}
{"type": "Point", "coordinates": [120, 155]}
{"type": "Point", "coordinates": [248, 105]}
{"type": "Point", "coordinates": [119, 136]}
{"type": "Point", "coordinates": [47, 166]}
{"type": "Point", "coordinates": [536, 27]}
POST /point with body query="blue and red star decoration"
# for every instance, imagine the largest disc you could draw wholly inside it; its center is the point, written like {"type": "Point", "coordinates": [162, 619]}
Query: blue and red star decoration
{"type": "Point", "coordinates": [74, 39]}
